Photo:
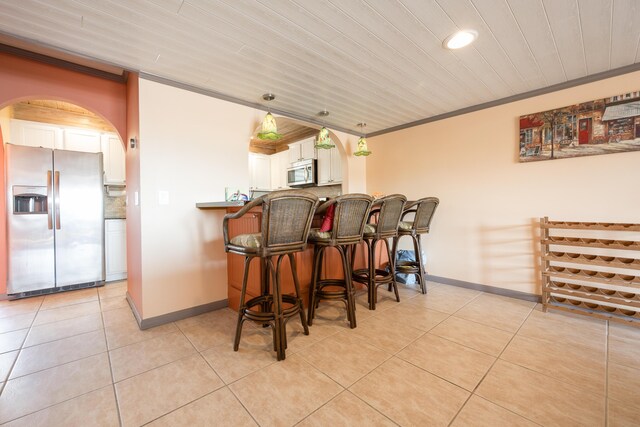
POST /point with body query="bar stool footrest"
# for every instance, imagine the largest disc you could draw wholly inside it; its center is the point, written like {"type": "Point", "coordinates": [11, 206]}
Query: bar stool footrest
{"type": "Point", "coordinates": [269, 316]}
{"type": "Point", "coordinates": [361, 275]}
{"type": "Point", "coordinates": [321, 293]}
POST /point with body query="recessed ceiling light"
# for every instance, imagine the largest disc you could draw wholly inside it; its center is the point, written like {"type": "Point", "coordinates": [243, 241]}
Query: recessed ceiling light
{"type": "Point", "coordinates": [323, 113]}
{"type": "Point", "coordinates": [268, 96]}
{"type": "Point", "coordinates": [460, 39]}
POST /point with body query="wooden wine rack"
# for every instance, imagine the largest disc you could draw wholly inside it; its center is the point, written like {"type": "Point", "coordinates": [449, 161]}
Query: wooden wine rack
{"type": "Point", "coordinates": [613, 293]}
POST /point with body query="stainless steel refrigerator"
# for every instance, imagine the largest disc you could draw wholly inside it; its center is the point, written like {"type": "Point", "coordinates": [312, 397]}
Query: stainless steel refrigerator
{"type": "Point", "coordinates": [55, 219]}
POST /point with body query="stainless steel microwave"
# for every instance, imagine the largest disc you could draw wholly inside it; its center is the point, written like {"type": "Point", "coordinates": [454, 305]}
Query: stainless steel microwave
{"type": "Point", "coordinates": [302, 174]}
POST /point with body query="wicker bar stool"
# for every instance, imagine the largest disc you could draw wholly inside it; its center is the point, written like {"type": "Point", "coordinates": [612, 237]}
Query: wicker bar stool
{"type": "Point", "coordinates": [350, 213]}
{"type": "Point", "coordinates": [423, 211]}
{"type": "Point", "coordinates": [388, 211]}
{"type": "Point", "coordinates": [286, 219]}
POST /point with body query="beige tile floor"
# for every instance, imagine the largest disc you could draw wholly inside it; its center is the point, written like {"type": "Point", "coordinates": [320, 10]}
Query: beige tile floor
{"type": "Point", "coordinates": [453, 357]}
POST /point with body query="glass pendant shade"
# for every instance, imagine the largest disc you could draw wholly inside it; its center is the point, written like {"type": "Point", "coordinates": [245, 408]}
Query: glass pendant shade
{"type": "Point", "coordinates": [324, 140]}
{"type": "Point", "coordinates": [269, 129]}
{"type": "Point", "coordinates": [363, 150]}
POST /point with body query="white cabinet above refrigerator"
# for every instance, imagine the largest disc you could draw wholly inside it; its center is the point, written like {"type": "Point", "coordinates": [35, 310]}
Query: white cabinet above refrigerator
{"type": "Point", "coordinates": [36, 134]}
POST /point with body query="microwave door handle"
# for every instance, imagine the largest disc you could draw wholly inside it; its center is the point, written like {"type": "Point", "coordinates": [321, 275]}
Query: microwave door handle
{"type": "Point", "coordinates": [56, 191]}
{"type": "Point", "coordinates": [49, 201]}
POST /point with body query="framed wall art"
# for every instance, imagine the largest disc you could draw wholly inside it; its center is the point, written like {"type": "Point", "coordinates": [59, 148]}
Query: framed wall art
{"type": "Point", "coordinates": [602, 126]}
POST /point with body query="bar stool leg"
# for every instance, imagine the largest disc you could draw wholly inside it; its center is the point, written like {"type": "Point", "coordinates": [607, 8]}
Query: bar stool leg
{"type": "Point", "coordinates": [373, 294]}
{"type": "Point", "coordinates": [315, 277]}
{"type": "Point", "coordinates": [394, 254]}
{"type": "Point", "coordinates": [421, 273]}
{"type": "Point", "coordinates": [236, 343]}
{"type": "Point", "coordinates": [352, 254]}
{"type": "Point", "coordinates": [351, 314]}
{"type": "Point", "coordinates": [277, 313]}
{"type": "Point", "coordinates": [292, 260]}
{"type": "Point", "coordinates": [392, 270]}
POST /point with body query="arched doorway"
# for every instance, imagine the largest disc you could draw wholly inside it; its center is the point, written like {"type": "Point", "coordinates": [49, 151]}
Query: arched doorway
{"type": "Point", "coordinates": [50, 124]}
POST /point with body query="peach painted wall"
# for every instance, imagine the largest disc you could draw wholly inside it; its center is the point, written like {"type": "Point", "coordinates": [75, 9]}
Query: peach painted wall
{"type": "Point", "coordinates": [485, 229]}
{"type": "Point", "coordinates": [22, 79]}
{"type": "Point", "coordinates": [191, 146]}
{"type": "Point", "coordinates": [134, 257]}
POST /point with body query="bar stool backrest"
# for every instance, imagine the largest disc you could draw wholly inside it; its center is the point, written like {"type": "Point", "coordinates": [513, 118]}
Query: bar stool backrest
{"type": "Point", "coordinates": [391, 208]}
{"type": "Point", "coordinates": [350, 216]}
{"type": "Point", "coordinates": [286, 219]}
{"type": "Point", "coordinates": [425, 208]}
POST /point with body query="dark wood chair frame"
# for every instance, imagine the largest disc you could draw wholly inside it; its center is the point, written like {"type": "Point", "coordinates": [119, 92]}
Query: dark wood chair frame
{"type": "Point", "coordinates": [388, 211]}
{"type": "Point", "coordinates": [423, 211]}
{"type": "Point", "coordinates": [275, 243]}
{"type": "Point", "coordinates": [350, 216]}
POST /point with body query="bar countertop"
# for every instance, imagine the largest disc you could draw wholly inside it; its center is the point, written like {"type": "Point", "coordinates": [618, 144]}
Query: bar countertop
{"type": "Point", "coordinates": [220, 205]}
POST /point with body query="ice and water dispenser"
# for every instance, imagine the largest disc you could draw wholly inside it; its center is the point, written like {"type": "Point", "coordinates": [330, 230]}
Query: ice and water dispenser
{"type": "Point", "coordinates": [29, 200]}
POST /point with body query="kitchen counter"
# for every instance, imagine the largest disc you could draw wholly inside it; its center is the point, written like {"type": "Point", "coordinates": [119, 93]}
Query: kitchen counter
{"type": "Point", "coordinates": [219, 205]}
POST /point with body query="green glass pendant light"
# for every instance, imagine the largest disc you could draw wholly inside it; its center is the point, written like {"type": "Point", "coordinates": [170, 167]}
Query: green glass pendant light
{"type": "Point", "coordinates": [323, 141]}
{"type": "Point", "coordinates": [269, 130]}
{"type": "Point", "coordinates": [363, 150]}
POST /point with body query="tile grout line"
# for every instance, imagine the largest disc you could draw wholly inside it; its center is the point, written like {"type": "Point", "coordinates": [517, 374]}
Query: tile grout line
{"type": "Point", "coordinates": [106, 342]}
{"type": "Point", "coordinates": [63, 401]}
{"type": "Point", "coordinates": [13, 365]}
{"type": "Point", "coordinates": [63, 363]}
{"type": "Point", "coordinates": [242, 404]}
{"type": "Point", "coordinates": [346, 390]}
{"type": "Point", "coordinates": [473, 392]}
{"type": "Point", "coordinates": [196, 399]}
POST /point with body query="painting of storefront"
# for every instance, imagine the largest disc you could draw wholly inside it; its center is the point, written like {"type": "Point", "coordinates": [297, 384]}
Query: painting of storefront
{"type": "Point", "coordinates": [603, 126]}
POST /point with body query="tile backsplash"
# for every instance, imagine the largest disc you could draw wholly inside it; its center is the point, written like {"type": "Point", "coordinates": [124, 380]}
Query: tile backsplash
{"type": "Point", "coordinates": [114, 202]}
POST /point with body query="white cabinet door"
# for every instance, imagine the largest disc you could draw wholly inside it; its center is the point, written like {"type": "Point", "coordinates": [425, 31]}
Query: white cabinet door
{"type": "Point", "coordinates": [302, 150]}
{"type": "Point", "coordinates": [275, 171]}
{"type": "Point", "coordinates": [284, 166]}
{"type": "Point", "coordinates": [260, 171]}
{"type": "Point", "coordinates": [336, 166]}
{"type": "Point", "coordinates": [87, 141]}
{"type": "Point", "coordinates": [324, 167]}
{"type": "Point", "coordinates": [115, 249]}
{"type": "Point", "coordinates": [114, 160]}
{"type": "Point", "coordinates": [35, 134]}
{"type": "Point", "coordinates": [308, 148]}
{"type": "Point", "coordinates": [279, 165]}
{"type": "Point", "coordinates": [329, 167]}
{"type": "Point", "coordinates": [294, 152]}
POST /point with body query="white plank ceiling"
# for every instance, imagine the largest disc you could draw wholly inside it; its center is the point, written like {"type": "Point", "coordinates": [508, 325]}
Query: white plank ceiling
{"type": "Point", "coordinates": [377, 61]}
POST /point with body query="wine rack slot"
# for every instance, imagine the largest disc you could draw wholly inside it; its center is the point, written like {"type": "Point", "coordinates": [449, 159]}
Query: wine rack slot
{"type": "Point", "coordinates": [613, 294]}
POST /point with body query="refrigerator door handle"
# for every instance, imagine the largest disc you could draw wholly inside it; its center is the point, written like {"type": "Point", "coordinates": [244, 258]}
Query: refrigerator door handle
{"type": "Point", "coordinates": [56, 190]}
{"type": "Point", "coordinates": [49, 201]}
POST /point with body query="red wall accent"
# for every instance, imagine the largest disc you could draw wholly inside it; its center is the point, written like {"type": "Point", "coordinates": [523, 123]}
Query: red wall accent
{"type": "Point", "coordinates": [134, 248]}
{"type": "Point", "coordinates": [22, 79]}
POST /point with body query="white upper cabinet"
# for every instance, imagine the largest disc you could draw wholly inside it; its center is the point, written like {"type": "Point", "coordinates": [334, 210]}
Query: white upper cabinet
{"type": "Point", "coordinates": [329, 167]}
{"type": "Point", "coordinates": [260, 171]}
{"type": "Point", "coordinates": [279, 165]}
{"type": "Point", "coordinates": [114, 159]}
{"type": "Point", "coordinates": [302, 150]}
{"type": "Point", "coordinates": [34, 134]}
{"type": "Point", "coordinates": [308, 148]}
{"type": "Point", "coordinates": [87, 141]}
